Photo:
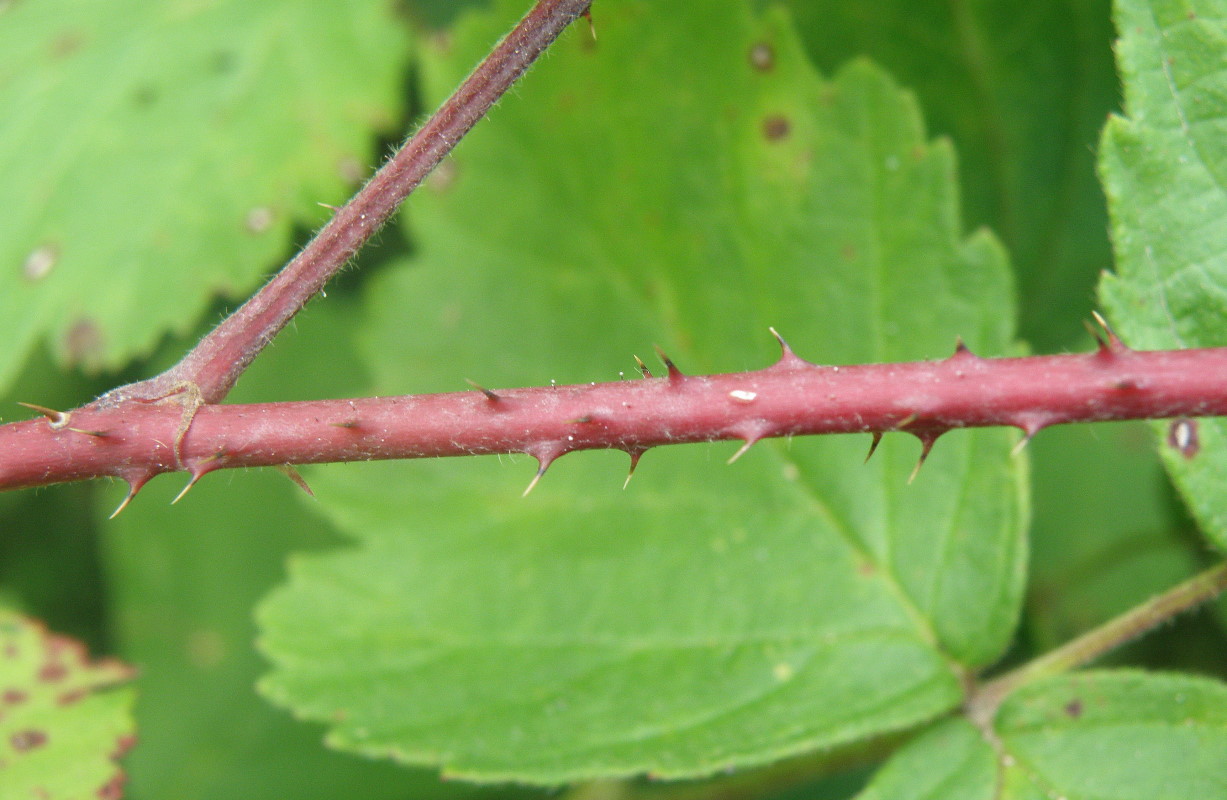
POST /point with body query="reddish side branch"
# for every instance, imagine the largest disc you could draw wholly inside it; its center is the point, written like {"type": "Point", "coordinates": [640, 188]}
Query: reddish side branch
{"type": "Point", "coordinates": [134, 440]}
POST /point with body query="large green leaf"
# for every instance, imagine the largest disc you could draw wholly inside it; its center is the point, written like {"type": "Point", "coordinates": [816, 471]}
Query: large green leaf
{"type": "Point", "coordinates": [63, 722]}
{"type": "Point", "coordinates": [1164, 166]}
{"type": "Point", "coordinates": [1023, 89]}
{"type": "Point", "coordinates": [686, 184]}
{"type": "Point", "coordinates": [184, 579]}
{"type": "Point", "coordinates": [155, 154]}
{"type": "Point", "coordinates": [1103, 735]}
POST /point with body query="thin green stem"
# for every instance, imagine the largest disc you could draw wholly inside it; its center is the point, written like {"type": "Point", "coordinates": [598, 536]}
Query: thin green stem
{"type": "Point", "coordinates": [984, 701]}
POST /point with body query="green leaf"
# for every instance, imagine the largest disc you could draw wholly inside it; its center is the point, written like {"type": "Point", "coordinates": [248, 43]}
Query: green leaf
{"type": "Point", "coordinates": [1163, 167]}
{"type": "Point", "coordinates": [952, 761]}
{"type": "Point", "coordinates": [1022, 89]}
{"type": "Point", "coordinates": [1117, 736]}
{"type": "Point", "coordinates": [688, 185]}
{"type": "Point", "coordinates": [1103, 735]}
{"type": "Point", "coordinates": [164, 153]}
{"type": "Point", "coordinates": [62, 724]}
{"type": "Point", "coordinates": [183, 581]}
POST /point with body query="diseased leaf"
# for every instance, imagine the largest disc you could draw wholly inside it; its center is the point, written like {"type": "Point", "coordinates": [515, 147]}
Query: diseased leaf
{"type": "Point", "coordinates": [163, 153]}
{"type": "Point", "coordinates": [636, 191]}
{"type": "Point", "coordinates": [1103, 735]}
{"type": "Point", "coordinates": [1164, 166]}
{"type": "Point", "coordinates": [62, 722]}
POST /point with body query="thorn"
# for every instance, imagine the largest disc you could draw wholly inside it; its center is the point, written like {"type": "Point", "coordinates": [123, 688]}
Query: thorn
{"type": "Point", "coordinates": [643, 368]}
{"type": "Point", "coordinates": [1115, 344]}
{"type": "Point", "coordinates": [673, 372]}
{"type": "Point", "coordinates": [926, 446]}
{"type": "Point", "coordinates": [533, 483]}
{"type": "Point", "coordinates": [961, 350]}
{"type": "Point", "coordinates": [491, 396]}
{"type": "Point", "coordinates": [787, 357]}
{"type": "Point", "coordinates": [135, 483]}
{"type": "Point", "coordinates": [296, 476]}
{"type": "Point", "coordinates": [328, 206]}
{"type": "Point", "coordinates": [1101, 345]}
{"type": "Point", "coordinates": [198, 470]}
{"type": "Point", "coordinates": [351, 423]}
{"type": "Point", "coordinates": [1030, 425]}
{"type": "Point", "coordinates": [635, 455]}
{"type": "Point", "coordinates": [57, 419]}
{"type": "Point", "coordinates": [873, 446]}
{"type": "Point", "coordinates": [545, 454]}
{"type": "Point", "coordinates": [903, 423]}
{"type": "Point", "coordinates": [741, 451]}
{"type": "Point", "coordinates": [98, 434]}
{"type": "Point", "coordinates": [587, 14]}
{"type": "Point", "coordinates": [584, 420]}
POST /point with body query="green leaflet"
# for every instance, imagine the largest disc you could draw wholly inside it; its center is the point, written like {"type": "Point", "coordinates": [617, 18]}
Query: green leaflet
{"type": "Point", "coordinates": [62, 724]}
{"type": "Point", "coordinates": [687, 184]}
{"type": "Point", "coordinates": [1163, 167]}
{"type": "Point", "coordinates": [183, 580]}
{"type": "Point", "coordinates": [1022, 89]}
{"type": "Point", "coordinates": [162, 154]}
{"type": "Point", "coordinates": [1104, 735]}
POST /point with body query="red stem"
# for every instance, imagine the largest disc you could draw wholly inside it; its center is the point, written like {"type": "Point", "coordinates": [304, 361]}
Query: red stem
{"type": "Point", "coordinates": [216, 362]}
{"type": "Point", "coordinates": [134, 441]}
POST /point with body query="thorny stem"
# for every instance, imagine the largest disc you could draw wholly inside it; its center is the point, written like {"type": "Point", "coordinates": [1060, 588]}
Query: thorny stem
{"type": "Point", "coordinates": [984, 701]}
{"type": "Point", "coordinates": [214, 365]}
{"type": "Point", "coordinates": [136, 441]}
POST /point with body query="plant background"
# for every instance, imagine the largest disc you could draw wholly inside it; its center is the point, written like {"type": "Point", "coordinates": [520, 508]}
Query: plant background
{"type": "Point", "coordinates": [1022, 92]}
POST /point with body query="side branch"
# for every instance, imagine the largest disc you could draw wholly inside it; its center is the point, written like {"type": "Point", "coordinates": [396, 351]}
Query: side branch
{"type": "Point", "coordinates": [213, 366]}
{"type": "Point", "coordinates": [135, 441]}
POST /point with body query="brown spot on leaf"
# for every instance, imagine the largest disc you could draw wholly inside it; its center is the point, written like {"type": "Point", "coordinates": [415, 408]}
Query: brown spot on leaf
{"type": "Point", "coordinates": [83, 342]}
{"type": "Point", "coordinates": [762, 57]}
{"type": "Point", "coordinates": [24, 741]}
{"type": "Point", "coordinates": [1182, 437]}
{"type": "Point", "coordinates": [776, 127]}
{"type": "Point", "coordinates": [67, 43]}
{"type": "Point", "coordinates": [144, 95]}
{"type": "Point", "coordinates": [53, 672]}
{"type": "Point", "coordinates": [1073, 708]}
{"type": "Point", "coordinates": [848, 251]}
{"type": "Point", "coordinates": [70, 697]}
{"type": "Point", "coordinates": [12, 697]}
{"type": "Point", "coordinates": [114, 788]}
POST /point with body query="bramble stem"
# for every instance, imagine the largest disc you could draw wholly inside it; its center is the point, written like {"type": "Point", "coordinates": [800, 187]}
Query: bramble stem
{"type": "Point", "coordinates": [1199, 589]}
{"type": "Point", "coordinates": [214, 365]}
{"type": "Point", "coordinates": [135, 440]}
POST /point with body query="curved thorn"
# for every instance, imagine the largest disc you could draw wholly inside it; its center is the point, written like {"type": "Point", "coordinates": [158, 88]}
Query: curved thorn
{"type": "Point", "coordinates": [57, 419]}
{"type": "Point", "coordinates": [533, 483]}
{"type": "Point", "coordinates": [903, 423]}
{"type": "Point", "coordinates": [635, 455]}
{"type": "Point", "coordinates": [295, 476]}
{"type": "Point", "coordinates": [135, 484]}
{"type": "Point", "coordinates": [926, 446]}
{"type": "Point", "coordinates": [643, 368]}
{"type": "Point", "coordinates": [673, 372]}
{"type": "Point", "coordinates": [787, 357]}
{"type": "Point", "coordinates": [96, 434]}
{"type": "Point", "coordinates": [1100, 344]}
{"type": "Point", "coordinates": [192, 482]}
{"type": "Point", "coordinates": [1021, 444]}
{"type": "Point", "coordinates": [587, 14]}
{"type": "Point", "coordinates": [741, 451]}
{"type": "Point", "coordinates": [873, 446]}
{"type": "Point", "coordinates": [1114, 342]}
{"type": "Point", "coordinates": [491, 396]}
